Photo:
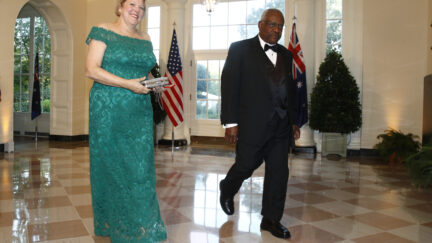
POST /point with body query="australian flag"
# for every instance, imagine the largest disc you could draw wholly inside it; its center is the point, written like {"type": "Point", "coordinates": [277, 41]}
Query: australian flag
{"type": "Point", "coordinates": [36, 104]}
{"type": "Point", "coordinates": [299, 76]}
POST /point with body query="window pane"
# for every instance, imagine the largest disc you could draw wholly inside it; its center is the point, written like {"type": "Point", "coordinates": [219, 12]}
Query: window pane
{"type": "Point", "coordinates": [201, 89]}
{"type": "Point", "coordinates": [45, 93]}
{"type": "Point", "coordinates": [220, 15]}
{"type": "Point", "coordinates": [213, 89]}
{"type": "Point", "coordinates": [254, 10]}
{"type": "Point", "coordinates": [46, 64]}
{"type": "Point", "coordinates": [201, 109]}
{"type": "Point", "coordinates": [157, 54]}
{"type": "Point", "coordinates": [213, 109]}
{"type": "Point", "coordinates": [208, 88]}
{"type": "Point", "coordinates": [153, 17]}
{"type": "Point", "coordinates": [237, 12]}
{"type": "Point", "coordinates": [252, 30]}
{"type": "Point", "coordinates": [201, 38]}
{"type": "Point", "coordinates": [17, 64]}
{"type": "Point", "coordinates": [25, 83]}
{"type": "Point", "coordinates": [213, 69]}
{"type": "Point", "coordinates": [25, 64]}
{"type": "Point", "coordinates": [25, 102]}
{"type": "Point", "coordinates": [45, 86]}
{"type": "Point", "coordinates": [201, 69]}
{"type": "Point", "coordinates": [219, 37]}
{"type": "Point", "coordinates": [334, 9]}
{"type": "Point", "coordinates": [236, 33]}
{"type": "Point", "coordinates": [221, 65]}
{"type": "Point", "coordinates": [155, 37]}
{"type": "Point", "coordinates": [200, 16]}
{"type": "Point", "coordinates": [279, 4]}
{"type": "Point", "coordinates": [281, 40]}
{"type": "Point", "coordinates": [334, 32]}
{"type": "Point", "coordinates": [17, 102]}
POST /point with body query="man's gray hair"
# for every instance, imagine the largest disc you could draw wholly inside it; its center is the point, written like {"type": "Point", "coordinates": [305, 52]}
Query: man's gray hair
{"type": "Point", "coordinates": [265, 12]}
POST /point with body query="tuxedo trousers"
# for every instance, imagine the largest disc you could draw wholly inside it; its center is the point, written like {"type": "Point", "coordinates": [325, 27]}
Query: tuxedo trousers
{"type": "Point", "coordinates": [273, 149]}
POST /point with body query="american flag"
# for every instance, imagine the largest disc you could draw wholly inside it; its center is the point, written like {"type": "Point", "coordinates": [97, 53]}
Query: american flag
{"type": "Point", "coordinates": [299, 76]}
{"type": "Point", "coordinates": [172, 97]}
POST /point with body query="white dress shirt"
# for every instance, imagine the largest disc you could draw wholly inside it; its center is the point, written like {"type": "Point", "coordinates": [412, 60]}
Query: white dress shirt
{"type": "Point", "coordinates": [272, 55]}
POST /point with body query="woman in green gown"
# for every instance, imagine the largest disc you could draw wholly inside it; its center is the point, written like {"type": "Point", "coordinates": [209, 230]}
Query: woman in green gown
{"type": "Point", "coordinates": [122, 171]}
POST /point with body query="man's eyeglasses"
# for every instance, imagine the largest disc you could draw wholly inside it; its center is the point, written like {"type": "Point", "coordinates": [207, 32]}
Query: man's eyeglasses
{"type": "Point", "coordinates": [273, 25]}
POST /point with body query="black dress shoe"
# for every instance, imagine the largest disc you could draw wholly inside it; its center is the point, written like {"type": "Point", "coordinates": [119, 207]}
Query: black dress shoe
{"type": "Point", "coordinates": [227, 203]}
{"type": "Point", "coordinates": [275, 228]}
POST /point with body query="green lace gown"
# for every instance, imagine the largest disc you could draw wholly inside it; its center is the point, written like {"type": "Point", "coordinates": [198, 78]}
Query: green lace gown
{"type": "Point", "coordinates": [122, 171]}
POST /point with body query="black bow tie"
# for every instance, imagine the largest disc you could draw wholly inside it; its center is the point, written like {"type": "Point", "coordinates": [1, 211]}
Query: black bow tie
{"type": "Point", "coordinates": [273, 47]}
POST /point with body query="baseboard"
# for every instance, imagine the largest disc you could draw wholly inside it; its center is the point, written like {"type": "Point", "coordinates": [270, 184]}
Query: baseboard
{"type": "Point", "coordinates": [304, 150]}
{"type": "Point", "coordinates": [68, 138]}
{"type": "Point", "coordinates": [177, 142]}
{"type": "Point", "coordinates": [40, 134]}
{"type": "Point", "coordinates": [362, 153]}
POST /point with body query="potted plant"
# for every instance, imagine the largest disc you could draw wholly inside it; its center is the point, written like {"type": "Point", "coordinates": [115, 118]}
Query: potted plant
{"type": "Point", "coordinates": [335, 107]}
{"type": "Point", "coordinates": [395, 146]}
{"type": "Point", "coordinates": [420, 166]}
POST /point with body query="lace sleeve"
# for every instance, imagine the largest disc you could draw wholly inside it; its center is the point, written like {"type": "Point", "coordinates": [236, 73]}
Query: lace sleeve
{"type": "Point", "coordinates": [99, 34]}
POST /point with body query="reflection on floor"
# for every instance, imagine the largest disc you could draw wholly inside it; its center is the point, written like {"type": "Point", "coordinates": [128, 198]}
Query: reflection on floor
{"type": "Point", "coordinates": [45, 196]}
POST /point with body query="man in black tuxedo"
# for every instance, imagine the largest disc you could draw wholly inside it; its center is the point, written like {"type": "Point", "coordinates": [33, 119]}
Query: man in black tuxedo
{"type": "Point", "coordinates": [259, 114]}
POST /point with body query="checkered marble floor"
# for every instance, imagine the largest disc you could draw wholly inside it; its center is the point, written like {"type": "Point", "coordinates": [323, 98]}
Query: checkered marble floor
{"type": "Point", "coordinates": [45, 197]}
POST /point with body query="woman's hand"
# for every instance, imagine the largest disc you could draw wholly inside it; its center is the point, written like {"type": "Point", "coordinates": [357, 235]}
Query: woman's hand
{"type": "Point", "coordinates": [135, 86]}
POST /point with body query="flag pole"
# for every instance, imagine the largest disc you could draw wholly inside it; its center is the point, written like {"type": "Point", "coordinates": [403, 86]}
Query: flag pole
{"type": "Point", "coordinates": [172, 143]}
{"type": "Point", "coordinates": [36, 129]}
{"type": "Point", "coordinates": [172, 127]}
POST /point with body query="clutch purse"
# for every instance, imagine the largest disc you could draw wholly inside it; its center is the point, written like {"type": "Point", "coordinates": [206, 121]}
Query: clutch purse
{"type": "Point", "coordinates": [155, 82]}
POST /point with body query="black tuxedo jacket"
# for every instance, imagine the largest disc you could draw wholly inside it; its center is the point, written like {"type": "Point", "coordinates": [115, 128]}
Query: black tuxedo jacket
{"type": "Point", "coordinates": [246, 90]}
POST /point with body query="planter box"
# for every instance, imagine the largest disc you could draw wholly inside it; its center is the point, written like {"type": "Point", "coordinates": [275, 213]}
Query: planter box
{"type": "Point", "coordinates": [334, 143]}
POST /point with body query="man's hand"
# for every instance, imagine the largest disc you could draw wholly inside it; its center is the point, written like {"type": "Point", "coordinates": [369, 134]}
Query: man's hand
{"type": "Point", "coordinates": [296, 132]}
{"type": "Point", "coordinates": [231, 134]}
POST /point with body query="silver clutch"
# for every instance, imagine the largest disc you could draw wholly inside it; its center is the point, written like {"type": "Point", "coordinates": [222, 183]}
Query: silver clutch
{"type": "Point", "coordinates": [155, 82]}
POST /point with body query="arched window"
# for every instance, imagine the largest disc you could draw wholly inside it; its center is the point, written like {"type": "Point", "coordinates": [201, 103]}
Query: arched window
{"type": "Point", "coordinates": [334, 25]}
{"type": "Point", "coordinates": [31, 37]}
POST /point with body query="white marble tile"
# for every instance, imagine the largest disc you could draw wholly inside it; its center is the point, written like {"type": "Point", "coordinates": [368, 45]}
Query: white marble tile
{"type": "Point", "coordinates": [44, 192]}
{"type": "Point", "coordinates": [80, 199]}
{"type": "Point", "coordinates": [417, 233]}
{"type": "Point", "coordinates": [408, 214]}
{"type": "Point", "coordinates": [84, 239]}
{"type": "Point", "coordinates": [75, 182]}
{"type": "Point", "coordinates": [190, 232]}
{"type": "Point", "coordinates": [50, 215]}
{"type": "Point", "coordinates": [346, 228]}
{"type": "Point", "coordinates": [341, 208]}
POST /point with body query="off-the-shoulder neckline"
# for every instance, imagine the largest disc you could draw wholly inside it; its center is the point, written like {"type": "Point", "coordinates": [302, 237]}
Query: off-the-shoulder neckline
{"type": "Point", "coordinates": [125, 36]}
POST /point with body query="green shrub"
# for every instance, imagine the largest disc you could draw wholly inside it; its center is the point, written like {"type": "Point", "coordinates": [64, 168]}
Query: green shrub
{"type": "Point", "coordinates": [420, 166]}
{"type": "Point", "coordinates": [46, 105]}
{"type": "Point", "coordinates": [396, 146]}
{"type": "Point", "coordinates": [335, 104]}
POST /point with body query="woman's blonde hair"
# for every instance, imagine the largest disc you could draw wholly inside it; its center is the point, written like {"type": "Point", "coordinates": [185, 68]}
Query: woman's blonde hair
{"type": "Point", "coordinates": [119, 4]}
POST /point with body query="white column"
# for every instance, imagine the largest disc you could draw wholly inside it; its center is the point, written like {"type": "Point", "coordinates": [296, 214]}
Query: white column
{"type": "Point", "coordinates": [175, 14]}
{"type": "Point", "coordinates": [9, 146]}
{"type": "Point", "coordinates": [352, 52]}
{"type": "Point", "coordinates": [319, 50]}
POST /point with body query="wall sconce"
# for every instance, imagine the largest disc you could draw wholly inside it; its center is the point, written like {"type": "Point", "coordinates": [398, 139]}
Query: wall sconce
{"type": "Point", "coordinates": [209, 5]}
